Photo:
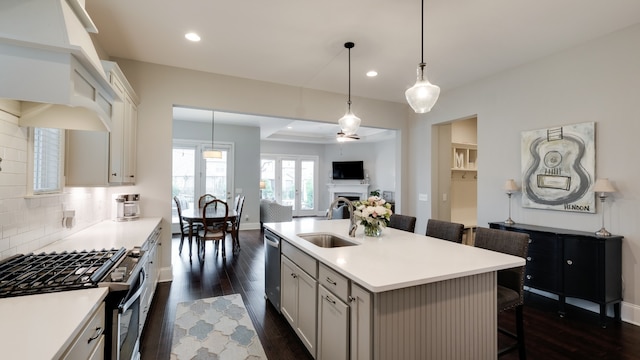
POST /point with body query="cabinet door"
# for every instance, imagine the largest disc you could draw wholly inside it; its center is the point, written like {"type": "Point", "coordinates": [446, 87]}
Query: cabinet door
{"type": "Point", "coordinates": [543, 270]}
{"type": "Point", "coordinates": [116, 136]}
{"type": "Point", "coordinates": [289, 291]}
{"type": "Point", "coordinates": [307, 323]}
{"type": "Point", "coordinates": [360, 313]}
{"type": "Point", "coordinates": [333, 327]}
{"type": "Point", "coordinates": [129, 142]}
{"type": "Point", "coordinates": [582, 268]}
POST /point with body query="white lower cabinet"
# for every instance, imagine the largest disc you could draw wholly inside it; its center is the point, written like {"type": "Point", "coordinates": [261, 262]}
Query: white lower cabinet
{"type": "Point", "coordinates": [333, 326]}
{"type": "Point", "coordinates": [90, 343]}
{"type": "Point", "coordinates": [298, 302]}
{"type": "Point", "coordinates": [361, 326]}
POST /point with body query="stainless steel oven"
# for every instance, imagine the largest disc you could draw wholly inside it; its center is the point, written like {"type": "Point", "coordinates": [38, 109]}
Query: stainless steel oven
{"type": "Point", "coordinates": [127, 283]}
{"type": "Point", "coordinates": [272, 268]}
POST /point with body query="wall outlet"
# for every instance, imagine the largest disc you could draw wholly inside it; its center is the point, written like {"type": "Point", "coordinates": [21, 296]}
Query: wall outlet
{"type": "Point", "coordinates": [238, 190]}
{"type": "Point", "coordinates": [423, 197]}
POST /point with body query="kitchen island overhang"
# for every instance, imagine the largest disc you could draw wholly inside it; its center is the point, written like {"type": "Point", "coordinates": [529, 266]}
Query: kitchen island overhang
{"type": "Point", "coordinates": [432, 299]}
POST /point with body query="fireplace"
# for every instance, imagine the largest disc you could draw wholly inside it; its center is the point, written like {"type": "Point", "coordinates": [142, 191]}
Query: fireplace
{"type": "Point", "coordinates": [350, 191]}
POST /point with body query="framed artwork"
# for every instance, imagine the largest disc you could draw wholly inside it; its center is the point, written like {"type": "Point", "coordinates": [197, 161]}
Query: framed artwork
{"type": "Point", "coordinates": [558, 168]}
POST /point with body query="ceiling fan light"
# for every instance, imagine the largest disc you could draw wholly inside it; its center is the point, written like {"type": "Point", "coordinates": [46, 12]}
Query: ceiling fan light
{"type": "Point", "coordinates": [349, 123]}
{"type": "Point", "coordinates": [423, 94]}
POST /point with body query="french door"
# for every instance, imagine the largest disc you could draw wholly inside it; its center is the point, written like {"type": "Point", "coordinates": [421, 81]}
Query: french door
{"type": "Point", "coordinates": [291, 180]}
{"type": "Point", "coordinates": [194, 176]}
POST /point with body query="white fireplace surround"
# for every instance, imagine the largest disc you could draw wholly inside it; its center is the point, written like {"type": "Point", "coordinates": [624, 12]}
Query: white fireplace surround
{"type": "Point", "coordinates": [336, 190]}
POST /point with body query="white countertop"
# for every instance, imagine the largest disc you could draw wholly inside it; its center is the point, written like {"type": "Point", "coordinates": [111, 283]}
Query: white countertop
{"type": "Point", "coordinates": [396, 259]}
{"type": "Point", "coordinates": [43, 326]}
{"type": "Point", "coordinates": [106, 235]}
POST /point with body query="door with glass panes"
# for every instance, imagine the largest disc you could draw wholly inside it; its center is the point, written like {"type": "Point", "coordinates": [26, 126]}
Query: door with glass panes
{"type": "Point", "coordinates": [194, 176]}
{"type": "Point", "coordinates": [290, 180]}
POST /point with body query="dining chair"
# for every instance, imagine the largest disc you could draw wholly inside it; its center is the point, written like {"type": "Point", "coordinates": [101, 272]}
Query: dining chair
{"type": "Point", "coordinates": [205, 199]}
{"type": "Point", "coordinates": [402, 222]}
{"type": "Point", "coordinates": [234, 226]}
{"type": "Point", "coordinates": [184, 227]}
{"type": "Point", "coordinates": [214, 230]}
{"type": "Point", "coordinates": [510, 281]}
{"type": "Point", "coordinates": [445, 230]}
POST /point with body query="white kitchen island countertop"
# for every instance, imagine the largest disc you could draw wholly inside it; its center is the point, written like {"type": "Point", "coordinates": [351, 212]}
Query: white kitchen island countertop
{"type": "Point", "coordinates": [395, 260]}
{"type": "Point", "coordinates": [44, 326]}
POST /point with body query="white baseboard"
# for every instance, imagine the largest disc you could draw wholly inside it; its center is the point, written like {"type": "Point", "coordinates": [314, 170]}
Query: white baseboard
{"type": "Point", "coordinates": [166, 274]}
{"type": "Point", "coordinates": [630, 313]}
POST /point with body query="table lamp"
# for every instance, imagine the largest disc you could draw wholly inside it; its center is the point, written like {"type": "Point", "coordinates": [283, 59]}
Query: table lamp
{"type": "Point", "coordinates": [510, 187]}
{"type": "Point", "coordinates": [603, 187]}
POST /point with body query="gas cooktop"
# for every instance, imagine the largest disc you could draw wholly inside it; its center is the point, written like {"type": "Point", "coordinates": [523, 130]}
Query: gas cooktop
{"type": "Point", "coordinates": [52, 272]}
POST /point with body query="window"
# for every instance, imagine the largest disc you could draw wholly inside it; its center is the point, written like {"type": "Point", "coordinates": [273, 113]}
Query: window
{"type": "Point", "coordinates": [47, 160]}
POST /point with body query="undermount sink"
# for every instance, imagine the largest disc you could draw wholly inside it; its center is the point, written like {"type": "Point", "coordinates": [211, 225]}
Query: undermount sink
{"type": "Point", "coordinates": [326, 240]}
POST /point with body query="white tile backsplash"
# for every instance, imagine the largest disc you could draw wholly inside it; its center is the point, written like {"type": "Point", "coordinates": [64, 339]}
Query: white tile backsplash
{"type": "Point", "coordinates": [27, 224]}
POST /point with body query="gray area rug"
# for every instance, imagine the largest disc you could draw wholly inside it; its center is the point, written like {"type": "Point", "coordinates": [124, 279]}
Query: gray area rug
{"type": "Point", "coordinates": [215, 328]}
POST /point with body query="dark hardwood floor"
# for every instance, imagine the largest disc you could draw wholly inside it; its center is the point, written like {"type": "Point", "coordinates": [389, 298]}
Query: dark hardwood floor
{"type": "Point", "coordinates": [576, 336]}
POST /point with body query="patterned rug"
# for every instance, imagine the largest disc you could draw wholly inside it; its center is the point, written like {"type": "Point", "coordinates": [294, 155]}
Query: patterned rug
{"type": "Point", "coordinates": [215, 328]}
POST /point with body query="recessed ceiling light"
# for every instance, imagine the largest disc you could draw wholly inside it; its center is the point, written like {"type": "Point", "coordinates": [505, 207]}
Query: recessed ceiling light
{"type": "Point", "coordinates": [372, 73]}
{"type": "Point", "coordinates": [192, 36]}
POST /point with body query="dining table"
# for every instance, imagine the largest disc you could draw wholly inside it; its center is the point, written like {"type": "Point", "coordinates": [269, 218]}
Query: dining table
{"type": "Point", "coordinates": [214, 214]}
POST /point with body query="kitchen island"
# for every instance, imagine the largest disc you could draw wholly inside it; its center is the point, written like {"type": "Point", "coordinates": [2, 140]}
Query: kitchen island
{"type": "Point", "coordinates": [430, 298]}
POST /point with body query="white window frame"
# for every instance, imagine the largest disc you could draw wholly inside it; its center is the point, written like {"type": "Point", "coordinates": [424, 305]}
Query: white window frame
{"type": "Point", "coordinates": [33, 166]}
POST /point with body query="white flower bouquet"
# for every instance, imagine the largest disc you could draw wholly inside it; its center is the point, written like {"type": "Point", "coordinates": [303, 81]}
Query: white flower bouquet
{"type": "Point", "coordinates": [373, 213]}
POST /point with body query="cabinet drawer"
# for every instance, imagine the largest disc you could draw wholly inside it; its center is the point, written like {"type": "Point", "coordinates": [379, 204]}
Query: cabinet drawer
{"type": "Point", "coordinates": [304, 261]}
{"type": "Point", "coordinates": [336, 283]}
{"type": "Point", "coordinates": [90, 337]}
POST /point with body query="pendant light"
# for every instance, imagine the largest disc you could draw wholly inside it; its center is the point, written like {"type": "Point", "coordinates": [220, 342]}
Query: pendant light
{"type": "Point", "coordinates": [212, 154]}
{"type": "Point", "coordinates": [423, 94]}
{"type": "Point", "coordinates": [349, 123]}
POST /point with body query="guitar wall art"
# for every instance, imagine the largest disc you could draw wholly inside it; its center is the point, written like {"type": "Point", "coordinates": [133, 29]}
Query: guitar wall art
{"type": "Point", "coordinates": [558, 168]}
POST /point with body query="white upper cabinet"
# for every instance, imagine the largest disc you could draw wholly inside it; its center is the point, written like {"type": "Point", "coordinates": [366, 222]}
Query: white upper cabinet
{"type": "Point", "coordinates": [101, 159]}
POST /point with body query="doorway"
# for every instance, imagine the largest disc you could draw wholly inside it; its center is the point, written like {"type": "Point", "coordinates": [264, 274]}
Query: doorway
{"type": "Point", "coordinates": [290, 180]}
{"type": "Point", "coordinates": [457, 175]}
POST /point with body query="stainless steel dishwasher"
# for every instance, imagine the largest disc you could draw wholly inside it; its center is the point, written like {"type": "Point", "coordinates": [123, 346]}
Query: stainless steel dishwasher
{"type": "Point", "coordinates": [272, 268]}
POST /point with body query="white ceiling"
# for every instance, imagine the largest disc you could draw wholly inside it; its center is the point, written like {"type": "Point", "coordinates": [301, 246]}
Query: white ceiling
{"type": "Point", "coordinates": [301, 43]}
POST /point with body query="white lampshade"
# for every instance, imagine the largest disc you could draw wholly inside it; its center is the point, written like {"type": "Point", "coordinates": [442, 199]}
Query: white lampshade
{"type": "Point", "coordinates": [510, 186]}
{"type": "Point", "coordinates": [603, 186]}
{"type": "Point", "coordinates": [212, 154]}
{"type": "Point", "coordinates": [423, 94]}
{"type": "Point", "coordinates": [349, 123]}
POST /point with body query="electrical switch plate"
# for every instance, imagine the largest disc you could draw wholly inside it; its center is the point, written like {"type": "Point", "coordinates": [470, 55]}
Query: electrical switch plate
{"type": "Point", "coordinates": [423, 197]}
{"type": "Point", "coordinates": [238, 190]}
{"type": "Point", "coordinates": [444, 197]}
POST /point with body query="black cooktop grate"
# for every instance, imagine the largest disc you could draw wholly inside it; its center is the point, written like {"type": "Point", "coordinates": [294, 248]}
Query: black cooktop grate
{"type": "Point", "coordinates": [52, 272]}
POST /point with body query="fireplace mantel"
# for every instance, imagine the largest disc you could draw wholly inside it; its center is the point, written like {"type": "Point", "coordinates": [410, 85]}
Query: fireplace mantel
{"type": "Point", "coordinates": [360, 190]}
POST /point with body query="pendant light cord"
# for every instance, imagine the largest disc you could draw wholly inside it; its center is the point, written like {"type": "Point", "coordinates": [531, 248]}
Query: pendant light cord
{"type": "Point", "coordinates": [422, 32]}
{"type": "Point", "coordinates": [212, 121]}
{"type": "Point", "coordinates": [349, 45]}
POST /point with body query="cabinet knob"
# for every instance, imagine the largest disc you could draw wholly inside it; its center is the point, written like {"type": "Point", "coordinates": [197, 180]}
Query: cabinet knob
{"type": "Point", "coordinates": [330, 281]}
{"type": "Point", "coordinates": [530, 241]}
{"type": "Point", "coordinates": [569, 262]}
{"type": "Point", "coordinates": [330, 300]}
{"type": "Point", "coordinates": [351, 298]}
{"type": "Point", "coordinates": [293, 275]}
{"type": "Point", "coordinates": [529, 277]}
{"type": "Point", "coordinates": [114, 174]}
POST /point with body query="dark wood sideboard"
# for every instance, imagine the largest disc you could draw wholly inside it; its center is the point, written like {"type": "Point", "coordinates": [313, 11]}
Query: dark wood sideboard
{"type": "Point", "coordinates": [575, 264]}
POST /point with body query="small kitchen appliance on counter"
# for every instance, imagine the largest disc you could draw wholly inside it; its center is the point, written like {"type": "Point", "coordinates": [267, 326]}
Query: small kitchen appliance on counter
{"type": "Point", "coordinates": [127, 207]}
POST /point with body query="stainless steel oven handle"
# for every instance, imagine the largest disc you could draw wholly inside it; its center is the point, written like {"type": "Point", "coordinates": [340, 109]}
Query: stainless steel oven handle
{"type": "Point", "coordinates": [126, 303]}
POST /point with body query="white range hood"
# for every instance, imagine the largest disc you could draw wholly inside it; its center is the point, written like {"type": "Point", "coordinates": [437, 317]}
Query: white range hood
{"type": "Point", "coordinates": [48, 61]}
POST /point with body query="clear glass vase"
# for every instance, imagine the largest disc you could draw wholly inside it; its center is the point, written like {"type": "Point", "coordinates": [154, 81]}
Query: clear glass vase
{"type": "Point", "coordinates": [372, 230]}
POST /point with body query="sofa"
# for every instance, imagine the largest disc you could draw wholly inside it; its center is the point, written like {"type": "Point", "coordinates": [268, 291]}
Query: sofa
{"type": "Point", "coordinates": [271, 211]}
